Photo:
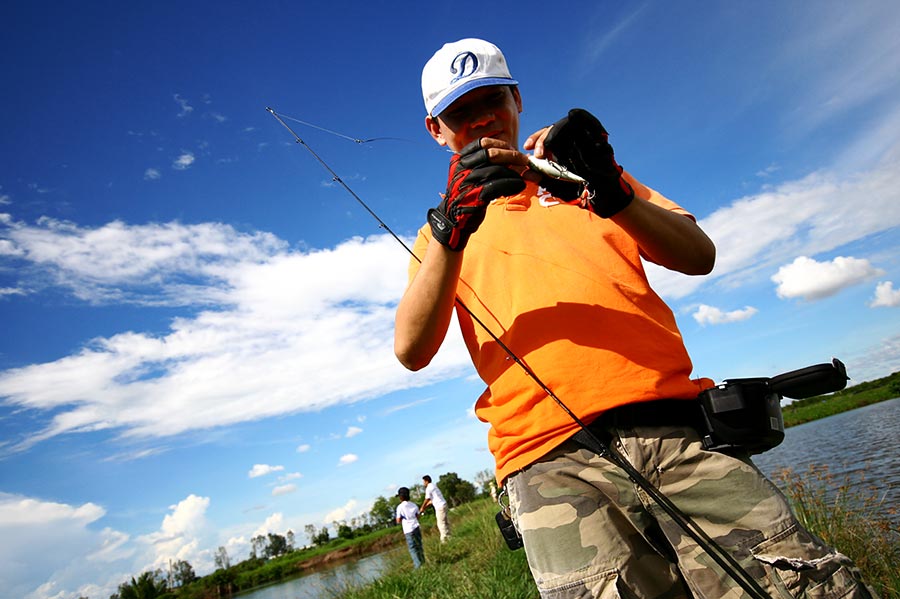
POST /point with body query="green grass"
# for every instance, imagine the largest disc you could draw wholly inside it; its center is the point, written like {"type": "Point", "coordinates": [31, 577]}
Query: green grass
{"type": "Point", "coordinates": [855, 522]}
{"type": "Point", "coordinates": [475, 562]}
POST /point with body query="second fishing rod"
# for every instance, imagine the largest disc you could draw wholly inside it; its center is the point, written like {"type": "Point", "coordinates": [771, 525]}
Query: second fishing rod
{"type": "Point", "coordinates": [603, 448]}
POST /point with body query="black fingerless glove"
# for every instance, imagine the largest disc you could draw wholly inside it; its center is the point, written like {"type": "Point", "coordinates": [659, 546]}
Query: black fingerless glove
{"type": "Point", "coordinates": [473, 182]}
{"type": "Point", "coordinates": [580, 143]}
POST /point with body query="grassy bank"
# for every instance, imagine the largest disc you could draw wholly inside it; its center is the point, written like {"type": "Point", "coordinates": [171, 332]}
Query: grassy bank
{"type": "Point", "coordinates": [476, 563]}
{"type": "Point", "coordinates": [821, 406]}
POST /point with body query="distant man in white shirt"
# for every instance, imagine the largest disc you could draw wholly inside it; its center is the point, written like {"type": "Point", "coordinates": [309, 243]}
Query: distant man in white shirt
{"type": "Point", "coordinates": [433, 496]}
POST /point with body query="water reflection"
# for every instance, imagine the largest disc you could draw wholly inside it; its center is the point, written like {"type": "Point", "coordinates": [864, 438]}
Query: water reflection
{"type": "Point", "coordinates": [325, 584]}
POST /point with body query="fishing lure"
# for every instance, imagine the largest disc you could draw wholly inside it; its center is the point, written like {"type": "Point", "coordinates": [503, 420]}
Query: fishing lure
{"type": "Point", "coordinates": [552, 169]}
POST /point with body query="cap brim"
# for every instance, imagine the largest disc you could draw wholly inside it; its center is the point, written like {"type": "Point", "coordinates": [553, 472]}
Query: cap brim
{"type": "Point", "coordinates": [465, 88]}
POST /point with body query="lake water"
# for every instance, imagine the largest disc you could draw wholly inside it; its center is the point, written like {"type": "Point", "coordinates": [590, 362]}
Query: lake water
{"type": "Point", "coordinates": [852, 444]}
{"type": "Point", "coordinates": [859, 446]}
{"type": "Point", "coordinates": [325, 584]}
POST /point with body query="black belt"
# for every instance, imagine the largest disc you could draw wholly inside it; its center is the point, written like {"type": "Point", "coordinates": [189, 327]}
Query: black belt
{"type": "Point", "coordinates": [660, 412]}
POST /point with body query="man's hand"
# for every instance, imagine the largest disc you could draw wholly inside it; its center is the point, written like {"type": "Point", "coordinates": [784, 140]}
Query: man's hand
{"type": "Point", "coordinates": [473, 182]}
{"type": "Point", "coordinates": [580, 143]}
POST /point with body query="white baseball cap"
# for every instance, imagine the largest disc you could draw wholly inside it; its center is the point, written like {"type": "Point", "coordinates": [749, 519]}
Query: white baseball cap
{"type": "Point", "coordinates": [460, 67]}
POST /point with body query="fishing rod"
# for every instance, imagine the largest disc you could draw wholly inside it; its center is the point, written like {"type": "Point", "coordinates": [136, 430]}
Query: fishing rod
{"type": "Point", "coordinates": [710, 546]}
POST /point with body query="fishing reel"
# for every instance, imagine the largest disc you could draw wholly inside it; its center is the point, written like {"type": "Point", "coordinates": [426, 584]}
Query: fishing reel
{"type": "Point", "coordinates": [507, 527]}
{"type": "Point", "coordinates": [745, 414]}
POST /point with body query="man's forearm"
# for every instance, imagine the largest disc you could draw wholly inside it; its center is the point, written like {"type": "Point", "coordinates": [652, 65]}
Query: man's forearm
{"type": "Point", "coordinates": [669, 239]}
{"type": "Point", "coordinates": [424, 312]}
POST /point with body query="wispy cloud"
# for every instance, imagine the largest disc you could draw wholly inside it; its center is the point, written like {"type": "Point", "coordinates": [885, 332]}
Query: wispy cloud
{"type": "Point", "coordinates": [406, 406]}
{"type": "Point", "coordinates": [186, 108]}
{"type": "Point", "coordinates": [152, 174]}
{"type": "Point", "coordinates": [848, 59]}
{"type": "Point", "coordinates": [353, 431]}
{"type": "Point", "coordinates": [283, 490]}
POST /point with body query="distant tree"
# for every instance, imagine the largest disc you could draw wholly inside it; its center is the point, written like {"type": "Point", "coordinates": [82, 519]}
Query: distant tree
{"type": "Point", "coordinates": [149, 585]}
{"type": "Point", "coordinates": [257, 546]}
{"type": "Point", "coordinates": [223, 562]}
{"type": "Point", "coordinates": [456, 490]}
{"type": "Point", "coordinates": [344, 530]}
{"type": "Point", "coordinates": [222, 581]}
{"type": "Point", "coordinates": [382, 513]}
{"type": "Point", "coordinates": [310, 532]}
{"type": "Point", "coordinates": [417, 493]}
{"type": "Point", "coordinates": [277, 545]}
{"type": "Point", "coordinates": [290, 540]}
{"type": "Point", "coordinates": [322, 537]}
{"type": "Point", "coordinates": [484, 480]}
{"type": "Point", "coordinates": [182, 573]}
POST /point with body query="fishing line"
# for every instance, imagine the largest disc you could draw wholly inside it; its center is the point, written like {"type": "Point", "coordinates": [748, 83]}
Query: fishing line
{"type": "Point", "coordinates": [713, 549]}
{"type": "Point", "coordinates": [347, 137]}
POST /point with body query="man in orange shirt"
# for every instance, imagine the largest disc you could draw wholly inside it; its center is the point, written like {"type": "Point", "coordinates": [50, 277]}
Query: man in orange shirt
{"type": "Point", "coordinates": [557, 276]}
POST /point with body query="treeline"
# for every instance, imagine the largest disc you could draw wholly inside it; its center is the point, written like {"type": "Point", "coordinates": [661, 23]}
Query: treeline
{"type": "Point", "coordinates": [274, 557]}
{"type": "Point", "coordinates": [857, 396]}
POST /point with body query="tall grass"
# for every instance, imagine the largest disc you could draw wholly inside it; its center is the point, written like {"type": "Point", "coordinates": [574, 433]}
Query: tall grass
{"type": "Point", "coordinates": [854, 521]}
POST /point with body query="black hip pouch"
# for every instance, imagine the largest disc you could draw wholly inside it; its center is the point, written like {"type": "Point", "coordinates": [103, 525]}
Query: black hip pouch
{"type": "Point", "coordinates": [745, 414]}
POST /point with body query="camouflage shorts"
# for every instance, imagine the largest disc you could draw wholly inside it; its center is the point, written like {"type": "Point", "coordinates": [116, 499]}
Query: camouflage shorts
{"type": "Point", "coordinates": [589, 532]}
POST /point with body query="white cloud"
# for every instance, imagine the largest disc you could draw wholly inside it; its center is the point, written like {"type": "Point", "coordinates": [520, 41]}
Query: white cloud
{"type": "Point", "coordinates": [290, 476]}
{"type": "Point", "coordinates": [184, 160]}
{"type": "Point", "coordinates": [66, 557]}
{"type": "Point", "coordinates": [179, 536]}
{"type": "Point", "coordinates": [61, 552]}
{"type": "Point", "coordinates": [273, 524]}
{"type": "Point", "coordinates": [262, 470]}
{"type": "Point", "coordinates": [303, 448]}
{"type": "Point", "coordinates": [283, 490]}
{"type": "Point", "coordinates": [152, 174]}
{"type": "Point", "coordinates": [755, 234]}
{"type": "Point", "coordinates": [5, 199]}
{"type": "Point", "coordinates": [885, 296]}
{"type": "Point", "coordinates": [353, 431]}
{"type": "Point", "coordinates": [712, 315]}
{"type": "Point", "coordinates": [347, 459]}
{"type": "Point", "coordinates": [812, 280]}
{"type": "Point", "coordinates": [329, 310]}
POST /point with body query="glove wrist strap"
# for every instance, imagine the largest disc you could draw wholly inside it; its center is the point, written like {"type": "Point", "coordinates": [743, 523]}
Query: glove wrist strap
{"type": "Point", "coordinates": [445, 232]}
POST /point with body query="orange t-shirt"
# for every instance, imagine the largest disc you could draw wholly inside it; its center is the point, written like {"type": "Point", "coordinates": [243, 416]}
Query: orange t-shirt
{"type": "Point", "coordinates": [566, 291]}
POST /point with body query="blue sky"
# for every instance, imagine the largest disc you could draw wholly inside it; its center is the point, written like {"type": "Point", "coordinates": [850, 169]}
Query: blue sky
{"type": "Point", "coordinates": [197, 322]}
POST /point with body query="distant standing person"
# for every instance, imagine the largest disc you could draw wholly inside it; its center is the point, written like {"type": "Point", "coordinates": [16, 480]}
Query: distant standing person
{"type": "Point", "coordinates": [408, 517]}
{"type": "Point", "coordinates": [433, 496]}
